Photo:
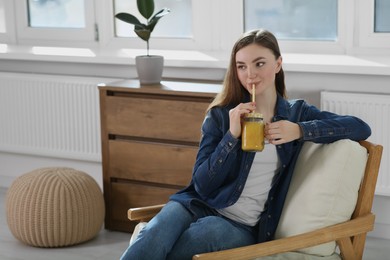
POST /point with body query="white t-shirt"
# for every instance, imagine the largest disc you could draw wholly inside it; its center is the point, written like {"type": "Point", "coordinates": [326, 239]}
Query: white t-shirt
{"type": "Point", "coordinates": [248, 207]}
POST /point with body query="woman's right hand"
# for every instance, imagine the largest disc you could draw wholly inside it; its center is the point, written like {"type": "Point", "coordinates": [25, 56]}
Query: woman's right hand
{"type": "Point", "coordinates": [235, 116]}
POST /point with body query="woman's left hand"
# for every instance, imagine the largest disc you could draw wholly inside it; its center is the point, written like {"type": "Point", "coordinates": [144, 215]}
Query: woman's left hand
{"type": "Point", "coordinates": [281, 132]}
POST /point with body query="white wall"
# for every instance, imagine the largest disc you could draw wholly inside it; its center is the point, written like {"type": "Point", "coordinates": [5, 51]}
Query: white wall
{"type": "Point", "coordinates": [309, 85]}
{"type": "Point", "coordinates": [14, 165]}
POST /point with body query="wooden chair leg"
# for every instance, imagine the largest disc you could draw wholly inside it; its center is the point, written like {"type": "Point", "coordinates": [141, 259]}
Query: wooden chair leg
{"type": "Point", "coordinates": [359, 242]}
{"type": "Point", "coordinates": [347, 249]}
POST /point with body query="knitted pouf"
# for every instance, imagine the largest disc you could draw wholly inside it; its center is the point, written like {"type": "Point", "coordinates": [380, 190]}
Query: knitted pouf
{"type": "Point", "coordinates": [54, 207]}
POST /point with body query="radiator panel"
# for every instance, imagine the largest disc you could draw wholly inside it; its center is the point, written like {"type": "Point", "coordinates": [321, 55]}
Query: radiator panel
{"type": "Point", "coordinates": [373, 109]}
{"type": "Point", "coordinates": [50, 115]}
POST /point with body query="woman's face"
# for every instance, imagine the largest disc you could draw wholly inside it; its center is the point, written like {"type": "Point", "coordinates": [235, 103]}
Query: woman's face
{"type": "Point", "coordinates": [257, 65]}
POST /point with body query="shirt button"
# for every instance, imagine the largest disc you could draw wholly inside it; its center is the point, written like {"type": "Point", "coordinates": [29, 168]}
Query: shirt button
{"type": "Point", "coordinates": [272, 198]}
{"type": "Point", "coordinates": [220, 160]}
{"type": "Point", "coordinates": [230, 144]}
{"type": "Point", "coordinates": [268, 233]}
{"type": "Point", "coordinates": [310, 134]}
{"type": "Point", "coordinates": [279, 146]}
{"type": "Point", "coordinates": [269, 216]}
{"type": "Point", "coordinates": [284, 166]}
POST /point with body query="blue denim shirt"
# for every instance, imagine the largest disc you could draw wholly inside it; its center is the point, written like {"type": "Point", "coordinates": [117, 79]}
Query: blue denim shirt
{"type": "Point", "coordinates": [222, 167]}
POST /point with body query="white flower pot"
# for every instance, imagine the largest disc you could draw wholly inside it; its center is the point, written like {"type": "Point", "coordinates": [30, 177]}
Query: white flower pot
{"type": "Point", "coordinates": [149, 69]}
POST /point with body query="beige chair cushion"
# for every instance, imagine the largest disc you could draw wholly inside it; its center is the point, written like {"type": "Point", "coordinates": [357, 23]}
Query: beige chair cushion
{"type": "Point", "coordinates": [299, 256]}
{"type": "Point", "coordinates": [323, 190]}
{"type": "Point", "coordinates": [136, 231]}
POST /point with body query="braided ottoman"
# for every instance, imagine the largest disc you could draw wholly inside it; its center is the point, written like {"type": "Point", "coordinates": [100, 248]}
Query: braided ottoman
{"type": "Point", "coordinates": [54, 207]}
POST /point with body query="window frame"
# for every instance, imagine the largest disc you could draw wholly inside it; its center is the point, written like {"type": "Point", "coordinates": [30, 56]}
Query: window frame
{"type": "Point", "coordinates": [9, 37]}
{"type": "Point", "coordinates": [204, 40]}
{"type": "Point", "coordinates": [367, 37]}
{"type": "Point", "coordinates": [224, 26]}
{"type": "Point", "coordinates": [328, 47]}
{"type": "Point", "coordinates": [55, 36]}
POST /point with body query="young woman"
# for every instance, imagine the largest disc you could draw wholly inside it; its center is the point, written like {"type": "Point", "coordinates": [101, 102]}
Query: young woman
{"type": "Point", "coordinates": [235, 198]}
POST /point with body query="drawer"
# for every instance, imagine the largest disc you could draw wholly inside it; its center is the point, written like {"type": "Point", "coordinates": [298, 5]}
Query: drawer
{"type": "Point", "coordinates": [131, 195]}
{"type": "Point", "coordinates": [177, 119]}
{"type": "Point", "coordinates": [151, 162]}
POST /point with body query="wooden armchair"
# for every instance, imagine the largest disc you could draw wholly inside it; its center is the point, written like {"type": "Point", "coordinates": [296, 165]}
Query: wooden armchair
{"type": "Point", "coordinates": [350, 236]}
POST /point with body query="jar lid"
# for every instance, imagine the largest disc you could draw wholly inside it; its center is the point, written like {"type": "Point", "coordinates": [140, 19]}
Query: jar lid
{"type": "Point", "coordinates": [254, 115]}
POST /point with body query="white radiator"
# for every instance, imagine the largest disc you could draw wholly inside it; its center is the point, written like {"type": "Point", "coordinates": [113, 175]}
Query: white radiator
{"type": "Point", "coordinates": [373, 109]}
{"type": "Point", "coordinates": [49, 115]}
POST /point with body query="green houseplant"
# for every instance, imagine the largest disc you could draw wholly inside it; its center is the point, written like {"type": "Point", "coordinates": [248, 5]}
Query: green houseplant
{"type": "Point", "coordinates": [149, 67]}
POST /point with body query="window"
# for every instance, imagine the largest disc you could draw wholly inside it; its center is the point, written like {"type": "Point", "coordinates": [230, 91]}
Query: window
{"type": "Point", "coordinates": [316, 26]}
{"type": "Point", "coordinates": [167, 26]}
{"type": "Point", "coordinates": [374, 24]}
{"type": "Point", "coordinates": [300, 26]}
{"type": "Point", "coordinates": [56, 14]}
{"type": "Point", "coordinates": [382, 18]}
{"type": "Point", "coordinates": [314, 20]}
{"type": "Point", "coordinates": [89, 23]}
{"type": "Point", "coordinates": [200, 28]}
{"type": "Point", "coordinates": [55, 21]}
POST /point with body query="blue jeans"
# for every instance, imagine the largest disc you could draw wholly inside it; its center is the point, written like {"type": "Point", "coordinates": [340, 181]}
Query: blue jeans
{"type": "Point", "coordinates": [178, 233]}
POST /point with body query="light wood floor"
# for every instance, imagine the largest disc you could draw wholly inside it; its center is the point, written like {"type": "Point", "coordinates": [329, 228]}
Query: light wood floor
{"type": "Point", "coordinates": [110, 245]}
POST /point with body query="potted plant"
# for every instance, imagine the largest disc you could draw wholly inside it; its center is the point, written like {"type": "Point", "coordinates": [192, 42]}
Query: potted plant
{"type": "Point", "coordinates": [149, 67]}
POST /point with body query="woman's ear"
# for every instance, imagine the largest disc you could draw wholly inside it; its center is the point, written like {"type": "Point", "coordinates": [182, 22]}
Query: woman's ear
{"type": "Point", "coordinates": [279, 62]}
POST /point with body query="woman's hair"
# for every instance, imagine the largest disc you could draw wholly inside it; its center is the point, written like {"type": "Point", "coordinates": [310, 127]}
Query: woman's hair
{"type": "Point", "coordinates": [232, 90]}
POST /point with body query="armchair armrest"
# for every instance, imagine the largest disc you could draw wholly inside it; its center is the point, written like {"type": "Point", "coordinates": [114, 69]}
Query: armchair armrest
{"type": "Point", "coordinates": [339, 232]}
{"type": "Point", "coordinates": [144, 213]}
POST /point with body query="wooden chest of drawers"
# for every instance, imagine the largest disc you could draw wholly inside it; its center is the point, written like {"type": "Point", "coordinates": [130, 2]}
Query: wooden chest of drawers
{"type": "Point", "coordinates": [150, 137]}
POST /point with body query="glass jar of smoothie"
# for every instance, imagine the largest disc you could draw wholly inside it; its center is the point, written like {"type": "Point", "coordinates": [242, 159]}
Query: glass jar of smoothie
{"type": "Point", "coordinates": [252, 136]}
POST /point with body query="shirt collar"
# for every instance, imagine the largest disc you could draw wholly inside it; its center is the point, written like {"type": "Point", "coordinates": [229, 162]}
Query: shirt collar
{"type": "Point", "coordinates": [282, 110]}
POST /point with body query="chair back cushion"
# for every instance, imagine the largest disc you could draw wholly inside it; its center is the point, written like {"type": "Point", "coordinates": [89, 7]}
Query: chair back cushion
{"type": "Point", "coordinates": [323, 190]}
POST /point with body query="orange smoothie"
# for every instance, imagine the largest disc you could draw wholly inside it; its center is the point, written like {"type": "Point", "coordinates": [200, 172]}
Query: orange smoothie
{"type": "Point", "coordinates": [253, 133]}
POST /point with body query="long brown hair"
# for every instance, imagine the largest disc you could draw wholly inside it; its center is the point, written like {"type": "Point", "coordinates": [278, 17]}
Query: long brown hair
{"type": "Point", "coordinates": [231, 93]}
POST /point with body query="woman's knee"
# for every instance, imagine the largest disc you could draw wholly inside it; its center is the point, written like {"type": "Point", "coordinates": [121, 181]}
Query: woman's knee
{"type": "Point", "coordinates": [212, 226]}
{"type": "Point", "coordinates": [160, 234]}
{"type": "Point", "coordinates": [209, 234]}
{"type": "Point", "coordinates": [172, 212]}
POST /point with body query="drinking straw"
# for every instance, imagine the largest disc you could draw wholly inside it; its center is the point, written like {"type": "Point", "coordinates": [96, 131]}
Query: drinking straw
{"type": "Point", "coordinates": [253, 92]}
